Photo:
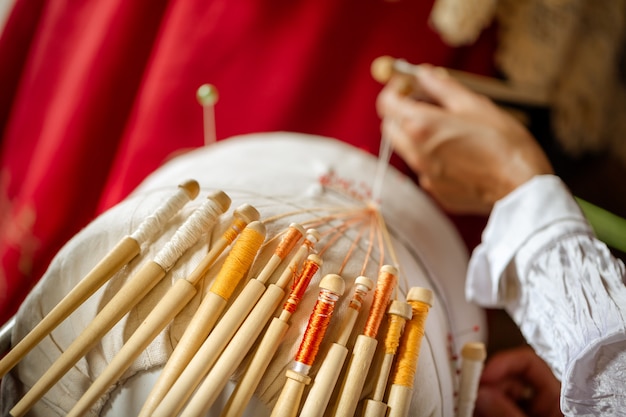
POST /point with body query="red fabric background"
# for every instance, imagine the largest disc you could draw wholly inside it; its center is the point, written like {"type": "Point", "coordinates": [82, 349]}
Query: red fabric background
{"type": "Point", "coordinates": [94, 95]}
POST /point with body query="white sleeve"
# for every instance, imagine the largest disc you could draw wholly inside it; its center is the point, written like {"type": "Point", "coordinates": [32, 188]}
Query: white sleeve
{"type": "Point", "coordinates": [539, 259]}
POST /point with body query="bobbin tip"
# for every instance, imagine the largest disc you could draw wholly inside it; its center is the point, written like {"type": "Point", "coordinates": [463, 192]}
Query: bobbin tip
{"type": "Point", "coordinates": [420, 294]}
{"type": "Point", "coordinates": [257, 226]}
{"type": "Point", "coordinates": [191, 187]}
{"type": "Point", "coordinates": [390, 269]}
{"type": "Point", "coordinates": [333, 283]}
{"type": "Point", "coordinates": [364, 281]}
{"type": "Point", "coordinates": [207, 95]}
{"type": "Point", "coordinates": [221, 198]}
{"type": "Point", "coordinates": [313, 235]}
{"type": "Point", "coordinates": [474, 351]}
{"type": "Point", "coordinates": [382, 68]}
{"type": "Point", "coordinates": [315, 258]}
{"type": "Point", "coordinates": [247, 213]}
{"type": "Point", "coordinates": [401, 308]}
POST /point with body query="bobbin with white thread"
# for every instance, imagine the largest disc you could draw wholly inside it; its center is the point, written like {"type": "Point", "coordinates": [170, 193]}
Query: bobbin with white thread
{"type": "Point", "coordinates": [151, 272]}
{"type": "Point", "coordinates": [242, 216]}
{"type": "Point", "coordinates": [473, 356]}
{"type": "Point", "coordinates": [400, 393]}
{"type": "Point", "coordinates": [364, 347]}
{"type": "Point", "coordinates": [235, 266]}
{"type": "Point", "coordinates": [161, 315]}
{"type": "Point", "coordinates": [332, 286]}
{"type": "Point", "coordinates": [327, 375]}
{"type": "Point", "coordinates": [121, 254]}
{"type": "Point", "coordinates": [267, 347]}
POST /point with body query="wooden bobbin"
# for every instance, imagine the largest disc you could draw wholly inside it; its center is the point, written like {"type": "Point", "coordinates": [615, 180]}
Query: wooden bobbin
{"type": "Point", "coordinates": [365, 347]}
{"type": "Point", "coordinates": [473, 356]}
{"type": "Point", "coordinates": [172, 303]}
{"type": "Point", "coordinates": [123, 252]}
{"type": "Point", "coordinates": [206, 316]}
{"type": "Point", "coordinates": [290, 397]}
{"type": "Point", "coordinates": [131, 293]}
{"type": "Point", "coordinates": [401, 391]}
{"type": "Point", "coordinates": [328, 373]}
{"type": "Point", "coordinates": [233, 355]}
{"type": "Point", "coordinates": [242, 216]}
{"type": "Point", "coordinates": [399, 312]}
{"type": "Point", "coordinates": [261, 358]}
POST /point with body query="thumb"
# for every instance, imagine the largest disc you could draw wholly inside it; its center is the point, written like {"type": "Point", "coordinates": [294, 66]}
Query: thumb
{"type": "Point", "coordinates": [440, 87]}
{"type": "Point", "coordinates": [490, 402]}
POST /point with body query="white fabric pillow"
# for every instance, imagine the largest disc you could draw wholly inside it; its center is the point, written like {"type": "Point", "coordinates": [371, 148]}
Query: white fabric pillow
{"type": "Point", "coordinates": [278, 173]}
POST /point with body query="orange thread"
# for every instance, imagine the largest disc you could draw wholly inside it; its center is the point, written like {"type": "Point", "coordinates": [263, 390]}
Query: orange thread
{"type": "Point", "coordinates": [357, 298]}
{"type": "Point", "coordinates": [300, 285]}
{"type": "Point", "coordinates": [288, 242]}
{"type": "Point", "coordinates": [316, 327]}
{"type": "Point", "coordinates": [237, 262]}
{"type": "Point", "coordinates": [233, 231]}
{"type": "Point", "coordinates": [384, 287]}
{"type": "Point", "coordinates": [408, 354]}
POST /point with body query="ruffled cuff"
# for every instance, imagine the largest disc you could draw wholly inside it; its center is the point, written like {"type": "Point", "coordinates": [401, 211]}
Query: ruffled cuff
{"type": "Point", "coordinates": [541, 202]}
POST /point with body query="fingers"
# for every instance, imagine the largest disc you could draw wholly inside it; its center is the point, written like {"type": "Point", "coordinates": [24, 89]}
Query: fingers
{"type": "Point", "coordinates": [491, 402]}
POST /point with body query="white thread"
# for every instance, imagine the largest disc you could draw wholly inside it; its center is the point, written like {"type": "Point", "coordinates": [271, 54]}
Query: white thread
{"type": "Point", "coordinates": [157, 220]}
{"type": "Point", "coordinates": [201, 220]}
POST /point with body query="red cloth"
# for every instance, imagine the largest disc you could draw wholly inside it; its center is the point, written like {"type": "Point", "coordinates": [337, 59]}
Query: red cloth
{"type": "Point", "coordinates": [97, 94]}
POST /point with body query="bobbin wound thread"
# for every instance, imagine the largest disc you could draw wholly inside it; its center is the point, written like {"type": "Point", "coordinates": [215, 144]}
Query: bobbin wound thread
{"type": "Point", "coordinates": [399, 400]}
{"type": "Point", "coordinates": [332, 286]}
{"type": "Point", "coordinates": [365, 345]}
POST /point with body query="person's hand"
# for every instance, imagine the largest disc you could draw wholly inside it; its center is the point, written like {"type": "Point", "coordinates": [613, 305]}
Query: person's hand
{"type": "Point", "coordinates": [517, 383]}
{"type": "Point", "coordinates": [467, 152]}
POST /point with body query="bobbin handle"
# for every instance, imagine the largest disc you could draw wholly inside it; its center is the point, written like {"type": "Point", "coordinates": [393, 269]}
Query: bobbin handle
{"type": "Point", "coordinates": [289, 400]}
{"type": "Point", "coordinates": [322, 388]}
{"type": "Point", "coordinates": [399, 400]}
{"type": "Point", "coordinates": [120, 255]}
{"type": "Point", "coordinates": [254, 372]}
{"type": "Point", "coordinates": [173, 302]}
{"type": "Point", "coordinates": [358, 368]}
{"type": "Point", "coordinates": [473, 357]}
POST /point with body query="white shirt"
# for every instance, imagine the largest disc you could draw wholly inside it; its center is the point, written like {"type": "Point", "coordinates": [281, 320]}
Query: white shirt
{"type": "Point", "coordinates": [540, 260]}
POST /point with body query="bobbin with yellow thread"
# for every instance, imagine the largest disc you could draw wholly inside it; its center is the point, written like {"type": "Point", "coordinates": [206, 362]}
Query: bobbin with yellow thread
{"type": "Point", "coordinates": [242, 216]}
{"type": "Point", "coordinates": [233, 317]}
{"type": "Point", "coordinates": [365, 345]}
{"type": "Point", "coordinates": [269, 343]}
{"type": "Point", "coordinates": [399, 312]}
{"type": "Point", "coordinates": [332, 286]}
{"type": "Point", "coordinates": [162, 314]}
{"type": "Point", "coordinates": [401, 391]}
{"type": "Point", "coordinates": [328, 373]}
{"type": "Point", "coordinates": [152, 272]}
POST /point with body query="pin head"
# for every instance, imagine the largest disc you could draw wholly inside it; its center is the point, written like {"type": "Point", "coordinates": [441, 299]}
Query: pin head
{"type": "Point", "coordinates": [207, 95]}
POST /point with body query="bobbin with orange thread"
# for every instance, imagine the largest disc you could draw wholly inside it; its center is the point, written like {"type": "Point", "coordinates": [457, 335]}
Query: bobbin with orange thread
{"type": "Point", "coordinates": [332, 286]}
{"type": "Point", "coordinates": [271, 340]}
{"type": "Point", "coordinates": [328, 373]}
{"type": "Point", "coordinates": [399, 312]}
{"type": "Point", "coordinates": [365, 345]}
{"type": "Point", "coordinates": [401, 391]}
